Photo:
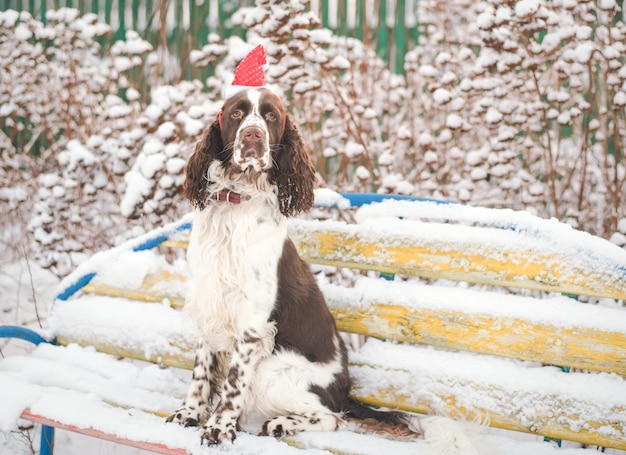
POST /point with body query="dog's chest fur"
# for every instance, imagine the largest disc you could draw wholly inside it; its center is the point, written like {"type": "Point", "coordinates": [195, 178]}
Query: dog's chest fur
{"type": "Point", "coordinates": [233, 256]}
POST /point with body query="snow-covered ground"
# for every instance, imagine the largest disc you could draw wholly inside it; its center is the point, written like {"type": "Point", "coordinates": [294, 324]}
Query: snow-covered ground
{"type": "Point", "coordinates": [25, 293]}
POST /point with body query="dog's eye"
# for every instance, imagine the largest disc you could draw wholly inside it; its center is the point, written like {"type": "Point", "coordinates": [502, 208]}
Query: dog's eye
{"type": "Point", "coordinates": [270, 117]}
{"type": "Point", "coordinates": [237, 114]}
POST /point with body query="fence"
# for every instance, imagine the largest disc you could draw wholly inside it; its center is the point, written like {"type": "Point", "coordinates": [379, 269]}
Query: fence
{"type": "Point", "coordinates": [389, 26]}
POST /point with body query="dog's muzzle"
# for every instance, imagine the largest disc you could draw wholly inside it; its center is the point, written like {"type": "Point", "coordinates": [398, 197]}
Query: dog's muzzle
{"type": "Point", "coordinates": [252, 148]}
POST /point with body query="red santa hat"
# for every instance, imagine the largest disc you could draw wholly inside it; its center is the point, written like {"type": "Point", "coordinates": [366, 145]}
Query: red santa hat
{"type": "Point", "coordinates": [250, 72]}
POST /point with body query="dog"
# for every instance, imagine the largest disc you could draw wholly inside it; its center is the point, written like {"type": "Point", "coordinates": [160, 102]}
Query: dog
{"type": "Point", "coordinates": [268, 340]}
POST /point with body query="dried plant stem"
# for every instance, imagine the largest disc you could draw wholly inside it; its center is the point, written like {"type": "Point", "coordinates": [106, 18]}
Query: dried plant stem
{"type": "Point", "coordinates": [32, 288]}
{"type": "Point", "coordinates": [353, 124]}
{"type": "Point", "coordinates": [547, 147]}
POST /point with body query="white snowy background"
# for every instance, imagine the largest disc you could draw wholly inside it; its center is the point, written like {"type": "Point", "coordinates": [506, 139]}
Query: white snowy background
{"type": "Point", "coordinates": [503, 104]}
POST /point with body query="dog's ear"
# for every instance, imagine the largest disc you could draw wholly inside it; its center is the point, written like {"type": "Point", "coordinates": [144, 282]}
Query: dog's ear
{"type": "Point", "coordinates": [207, 149]}
{"type": "Point", "coordinates": [293, 173]}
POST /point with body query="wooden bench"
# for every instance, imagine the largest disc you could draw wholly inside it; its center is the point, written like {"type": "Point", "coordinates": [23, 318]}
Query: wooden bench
{"type": "Point", "coordinates": [471, 350]}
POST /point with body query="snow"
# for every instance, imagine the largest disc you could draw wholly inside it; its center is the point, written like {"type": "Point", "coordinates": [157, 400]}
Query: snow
{"type": "Point", "coordinates": [454, 121]}
{"type": "Point", "coordinates": [428, 71]}
{"type": "Point", "coordinates": [136, 266]}
{"type": "Point", "coordinates": [362, 173]}
{"type": "Point", "coordinates": [620, 99]}
{"type": "Point", "coordinates": [137, 186]}
{"type": "Point", "coordinates": [607, 4]}
{"type": "Point", "coordinates": [326, 197]}
{"type": "Point", "coordinates": [46, 395]}
{"type": "Point", "coordinates": [583, 51]}
{"type": "Point", "coordinates": [191, 126]}
{"type": "Point", "coordinates": [122, 63]}
{"type": "Point", "coordinates": [552, 234]}
{"type": "Point", "coordinates": [526, 8]}
{"type": "Point", "coordinates": [175, 165]}
{"type": "Point", "coordinates": [161, 331]}
{"type": "Point", "coordinates": [442, 96]}
{"type": "Point", "coordinates": [143, 390]}
{"type": "Point", "coordinates": [431, 157]}
{"type": "Point", "coordinates": [339, 63]}
{"type": "Point", "coordinates": [22, 32]}
{"type": "Point", "coordinates": [462, 375]}
{"type": "Point", "coordinates": [493, 116]}
{"type": "Point", "coordinates": [618, 238]}
{"type": "Point", "coordinates": [166, 130]}
{"type": "Point", "coordinates": [354, 149]}
{"type": "Point", "coordinates": [75, 154]}
{"type": "Point", "coordinates": [151, 164]}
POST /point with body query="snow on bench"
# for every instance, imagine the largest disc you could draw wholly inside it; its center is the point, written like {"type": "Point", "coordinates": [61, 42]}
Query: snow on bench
{"type": "Point", "coordinates": [466, 351]}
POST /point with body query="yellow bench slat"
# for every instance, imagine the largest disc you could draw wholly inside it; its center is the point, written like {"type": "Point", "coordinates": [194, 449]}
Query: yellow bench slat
{"type": "Point", "coordinates": [454, 259]}
{"type": "Point", "coordinates": [143, 294]}
{"type": "Point", "coordinates": [358, 247]}
{"type": "Point", "coordinates": [181, 243]}
{"type": "Point", "coordinates": [583, 348]}
{"type": "Point", "coordinates": [578, 348]}
{"type": "Point", "coordinates": [131, 352]}
{"type": "Point", "coordinates": [547, 425]}
{"type": "Point", "coordinates": [152, 289]}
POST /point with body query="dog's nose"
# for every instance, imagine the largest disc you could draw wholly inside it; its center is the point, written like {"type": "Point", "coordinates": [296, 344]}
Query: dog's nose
{"type": "Point", "coordinates": [252, 134]}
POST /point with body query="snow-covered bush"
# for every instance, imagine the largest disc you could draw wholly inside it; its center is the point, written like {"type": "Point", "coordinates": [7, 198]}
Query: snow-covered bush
{"type": "Point", "coordinates": [503, 103]}
{"type": "Point", "coordinates": [56, 91]}
{"type": "Point", "coordinates": [522, 105]}
{"type": "Point", "coordinates": [91, 142]}
{"type": "Point", "coordinates": [55, 80]}
{"type": "Point", "coordinates": [168, 129]}
{"type": "Point", "coordinates": [118, 182]}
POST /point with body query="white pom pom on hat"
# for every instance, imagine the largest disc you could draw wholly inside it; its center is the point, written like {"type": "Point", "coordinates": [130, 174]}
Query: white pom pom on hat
{"type": "Point", "coordinates": [250, 73]}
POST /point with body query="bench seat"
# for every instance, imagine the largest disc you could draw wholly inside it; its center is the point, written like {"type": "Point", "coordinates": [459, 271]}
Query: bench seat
{"type": "Point", "coordinates": [159, 333]}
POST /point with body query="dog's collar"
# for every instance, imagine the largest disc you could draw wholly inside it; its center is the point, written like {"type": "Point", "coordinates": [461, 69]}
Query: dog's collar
{"type": "Point", "coordinates": [230, 196]}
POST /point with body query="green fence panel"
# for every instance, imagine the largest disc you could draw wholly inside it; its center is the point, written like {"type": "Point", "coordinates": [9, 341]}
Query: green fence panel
{"type": "Point", "coordinates": [178, 27]}
{"type": "Point", "coordinates": [185, 25]}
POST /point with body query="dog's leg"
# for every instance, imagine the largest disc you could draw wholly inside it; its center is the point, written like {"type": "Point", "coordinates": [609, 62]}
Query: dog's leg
{"type": "Point", "coordinates": [236, 389]}
{"type": "Point", "coordinates": [208, 373]}
{"type": "Point", "coordinates": [280, 426]}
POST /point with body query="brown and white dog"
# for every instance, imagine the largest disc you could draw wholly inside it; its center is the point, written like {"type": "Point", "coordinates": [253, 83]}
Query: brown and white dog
{"type": "Point", "coordinates": [268, 340]}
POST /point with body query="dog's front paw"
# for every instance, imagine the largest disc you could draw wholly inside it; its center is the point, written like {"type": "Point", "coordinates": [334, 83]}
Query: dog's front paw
{"type": "Point", "coordinates": [188, 416]}
{"type": "Point", "coordinates": [215, 433]}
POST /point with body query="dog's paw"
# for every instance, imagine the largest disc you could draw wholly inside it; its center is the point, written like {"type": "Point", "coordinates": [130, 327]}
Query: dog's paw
{"type": "Point", "coordinates": [288, 425]}
{"type": "Point", "coordinates": [216, 433]}
{"type": "Point", "coordinates": [281, 426]}
{"type": "Point", "coordinates": [188, 416]}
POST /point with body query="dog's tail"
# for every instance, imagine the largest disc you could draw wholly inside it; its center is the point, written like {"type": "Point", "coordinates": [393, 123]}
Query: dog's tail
{"type": "Point", "coordinates": [394, 424]}
{"type": "Point", "coordinates": [448, 436]}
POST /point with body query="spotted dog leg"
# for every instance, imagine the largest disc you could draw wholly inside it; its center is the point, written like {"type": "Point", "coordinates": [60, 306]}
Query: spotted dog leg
{"type": "Point", "coordinates": [236, 389]}
{"type": "Point", "coordinates": [291, 424]}
{"type": "Point", "coordinates": [208, 374]}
